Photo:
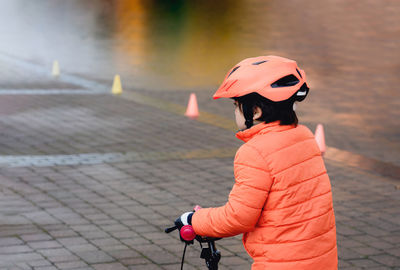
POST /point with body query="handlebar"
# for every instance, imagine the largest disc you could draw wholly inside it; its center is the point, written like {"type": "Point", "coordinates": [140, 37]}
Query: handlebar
{"type": "Point", "coordinates": [187, 232]}
{"type": "Point", "coordinates": [210, 254]}
{"type": "Point", "coordinates": [170, 229]}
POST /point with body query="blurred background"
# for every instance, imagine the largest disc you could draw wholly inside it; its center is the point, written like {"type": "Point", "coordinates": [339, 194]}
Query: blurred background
{"type": "Point", "coordinates": [349, 49]}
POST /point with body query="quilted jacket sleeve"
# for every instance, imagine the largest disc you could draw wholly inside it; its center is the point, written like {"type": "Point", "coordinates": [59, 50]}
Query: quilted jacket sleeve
{"type": "Point", "coordinates": [246, 199]}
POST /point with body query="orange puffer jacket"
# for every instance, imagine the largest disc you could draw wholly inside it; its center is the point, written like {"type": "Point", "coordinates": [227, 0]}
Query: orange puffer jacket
{"type": "Point", "coordinates": [281, 201]}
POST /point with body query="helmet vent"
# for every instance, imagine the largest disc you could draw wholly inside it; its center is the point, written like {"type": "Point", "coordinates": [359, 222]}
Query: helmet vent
{"type": "Point", "coordinates": [289, 80]}
{"type": "Point", "coordinates": [233, 70]}
{"type": "Point", "coordinates": [259, 62]}
{"type": "Point", "coordinates": [299, 73]}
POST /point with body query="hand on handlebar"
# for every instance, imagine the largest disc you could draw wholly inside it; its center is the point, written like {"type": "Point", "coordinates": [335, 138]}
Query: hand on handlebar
{"type": "Point", "coordinates": [184, 225]}
{"type": "Point", "coordinates": [186, 232]}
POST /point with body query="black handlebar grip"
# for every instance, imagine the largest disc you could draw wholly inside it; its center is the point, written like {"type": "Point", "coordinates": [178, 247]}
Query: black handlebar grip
{"type": "Point", "coordinates": [168, 230]}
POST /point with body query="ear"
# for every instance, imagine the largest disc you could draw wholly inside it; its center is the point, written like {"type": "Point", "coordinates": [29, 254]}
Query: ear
{"type": "Point", "coordinates": [257, 113]}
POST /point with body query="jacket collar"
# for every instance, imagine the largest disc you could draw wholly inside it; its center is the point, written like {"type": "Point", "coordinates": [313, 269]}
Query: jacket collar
{"type": "Point", "coordinates": [262, 128]}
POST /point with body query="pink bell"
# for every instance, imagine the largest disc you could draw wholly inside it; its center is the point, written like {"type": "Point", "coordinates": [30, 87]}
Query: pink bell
{"type": "Point", "coordinates": [187, 233]}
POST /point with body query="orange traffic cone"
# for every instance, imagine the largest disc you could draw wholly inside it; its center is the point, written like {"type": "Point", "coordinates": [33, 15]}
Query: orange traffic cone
{"type": "Point", "coordinates": [320, 138]}
{"type": "Point", "coordinates": [192, 110]}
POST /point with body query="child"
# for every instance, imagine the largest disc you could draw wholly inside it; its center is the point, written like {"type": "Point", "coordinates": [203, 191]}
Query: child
{"type": "Point", "coordinates": [281, 200]}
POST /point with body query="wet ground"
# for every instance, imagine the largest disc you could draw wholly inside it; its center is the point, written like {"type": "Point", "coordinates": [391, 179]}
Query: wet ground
{"type": "Point", "coordinates": [88, 180]}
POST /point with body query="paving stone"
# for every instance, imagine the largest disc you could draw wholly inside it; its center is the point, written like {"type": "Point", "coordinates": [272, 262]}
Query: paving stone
{"type": "Point", "coordinates": [139, 262]}
{"type": "Point", "coordinates": [97, 256]}
{"type": "Point", "coordinates": [154, 235]}
{"type": "Point", "coordinates": [72, 241]}
{"type": "Point", "coordinates": [15, 249]}
{"type": "Point", "coordinates": [177, 266]}
{"type": "Point", "coordinates": [349, 242]}
{"type": "Point", "coordinates": [37, 263]}
{"type": "Point", "coordinates": [96, 216]}
{"type": "Point", "coordinates": [84, 228]}
{"type": "Point", "coordinates": [70, 265]}
{"type": "Point", "coordinates": [35, 237]}
{"type": "Point", "coordinates": [375, 231]}
{"type": "Point", "coordinates": [386, 260]}
{"type": "Point", "coordinates": [124, 234]}
{"type": "Point", "coordinates": [108, 223]}
{"type": "Point", "coordinates": [105, 242]}
{"type": "Point", "coordinates": [6, 241]}
{"type": "Point", "coordinates": [124, 254]}
{"type": "Point", "coordinates": [113, 248]}
{"type": "Point", "coordinates": [62, 258]}
{"type": "Point", "coordinates": [346, 254]}
{"type": "Point", "coordinates": [109, 266]}
{"type": "Point", "coordinates": [146, 229]}
{"type": "Point", "coordinates": [94, 234]}
{"type": "Point", "coordinates": [63, 233]}
{"type": "Point", "coordinates": [237, 267]}
{"type": "Point", "coordinates": [380, 268]}
{"type": "Point", "coordinates": [134, 222]}
{"type": "Point", "coordinates": [147, 266]}
{"type": "Point", "coordinates": [365, 263]}
{"type": "Point", "coordinates": [44, 244]}
{"type": "Point", "coordinates": [46, 268]}
{"type": "Point", "coordinates": [114, 228]}
{"type": "Point", "coordinates": [380, 245]}
{"type": "Point", "coordinates": [342, 264]}
{"type": "Point", "coordinates": [393, 251]}
{"type": "Point", "coordinates": [54, 252]}
{"type": "Point", "coordinates": [347, 231]}
{"type": "Point", "coordinates": [232, 260]}
{"type": "Point", "coordinates": [80, 248]}
{"type": "Point", "coordinates": [20, 257]}
{"type": "Point", "coordinates": [161, 257]}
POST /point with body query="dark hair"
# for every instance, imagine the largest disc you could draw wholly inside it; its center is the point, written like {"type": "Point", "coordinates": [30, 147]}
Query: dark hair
{"type": "Point", "coordinates": [271, 111]}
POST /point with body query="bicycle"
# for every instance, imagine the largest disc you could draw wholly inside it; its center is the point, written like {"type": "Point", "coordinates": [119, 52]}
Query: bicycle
{"type": "Point", "coordinates": [210, 254]}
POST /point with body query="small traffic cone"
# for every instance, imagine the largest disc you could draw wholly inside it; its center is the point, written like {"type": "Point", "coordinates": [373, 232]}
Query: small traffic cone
{"type": "Point", "coordinates": [56, 69]}
{"type": "Point", "coordinates": [192, 110]}
{"type": "Point", "coordinates": [320, 138]}
{"type": "Point", "coordinates": [116, 87]}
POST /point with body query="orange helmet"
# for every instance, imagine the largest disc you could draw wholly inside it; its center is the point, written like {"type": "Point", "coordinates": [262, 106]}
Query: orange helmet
{"type": "Point", "coordinates": [273, 77]}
